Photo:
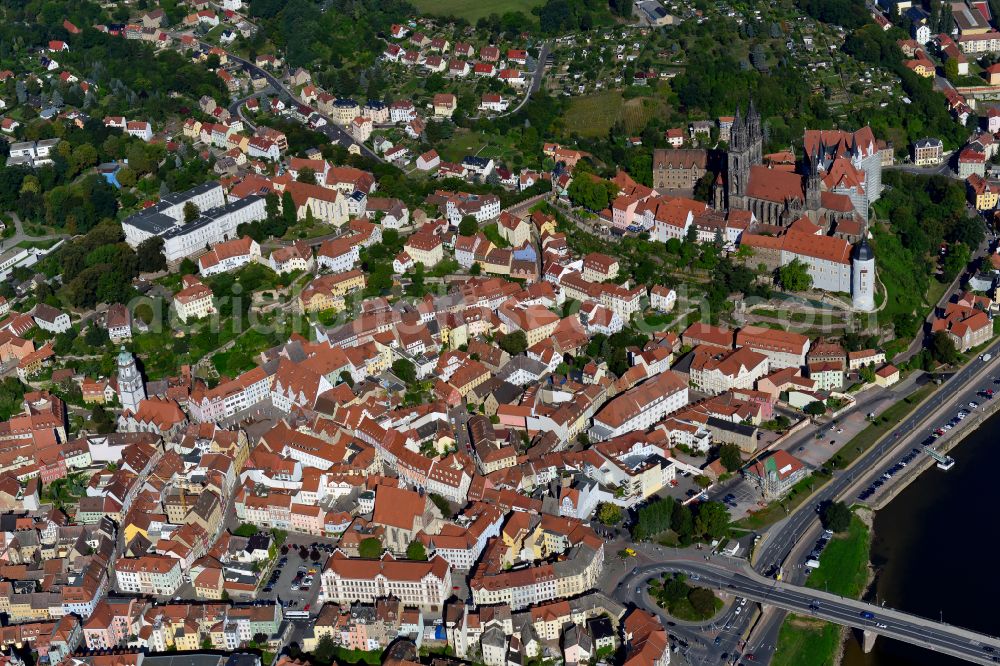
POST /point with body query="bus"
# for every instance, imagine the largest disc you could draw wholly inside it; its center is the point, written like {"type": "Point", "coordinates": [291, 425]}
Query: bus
{"type": "Point", "coordinates": [297, 614]}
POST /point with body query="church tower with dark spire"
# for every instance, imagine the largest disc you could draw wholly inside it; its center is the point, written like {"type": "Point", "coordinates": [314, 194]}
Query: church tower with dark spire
{"type": "Point", "coordinates": [814, 188]}
{"type": "Point", "coordinates": [745, 151]}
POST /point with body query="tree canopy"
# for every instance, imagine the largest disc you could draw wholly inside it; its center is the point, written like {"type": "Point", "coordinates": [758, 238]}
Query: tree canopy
{"type": "Point", "coordinates": [794, 276]}
{"type": "Point", "coordinates": [370, 548]}
{"type": "Point", "coordinates": [729, 455]}
{"type": "Point", "coordinates": [836, 516]}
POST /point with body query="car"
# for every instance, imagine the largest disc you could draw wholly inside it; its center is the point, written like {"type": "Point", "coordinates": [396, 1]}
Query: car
{"type": "Point", "coordinates": [867, 615]}
{"type": "Point", "coordinates": [973, 404]}
{"type": "Point", "coordinates": [718, 640]}
{"type": "Point", "coordinates": [988, 648]}
{"type": "Point", "coordinates": [840, 431]}
{"type": "Point", "coordinates": [801, 449]}
{"type": "Point", "coordinates": [739, 609]}
{"type": "Point", "coordinates": [750, 657]}
{"type": "Point", "coordinates": [832, 442]}
{"type": "Point", "coordinates": [880, 625]}
{"type": "Point", "coordinates": [306, 607]}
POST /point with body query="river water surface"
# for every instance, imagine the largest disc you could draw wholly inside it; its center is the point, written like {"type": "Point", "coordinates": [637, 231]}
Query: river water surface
{"type": "Point", "coordinates": [935, 551]}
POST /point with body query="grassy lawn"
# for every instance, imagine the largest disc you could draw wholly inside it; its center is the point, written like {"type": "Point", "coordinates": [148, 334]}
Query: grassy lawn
{"type": "Point", "coordinates": [806, 641]}
{"type": "Point", "coordinates": [41, 244]}
{"type": "Point", "coordinates": [844, 563]}
{"type": "Point", "coordinates": [473, 10]}
{"type": "Point", "coordinates": [462, 144]}
{"type": "Point", "coordinates": [883, 423]}
{"type": "Point", "coordinates": [345, 656]}
{"type": "Point", "coordinates": [843, 570]}
{"type": "Point", "coordinates": [593, 115]}
{"type": "Point", "coordinates": [491, 232]}
{"type": "Point", "coordinates": [683, 610]}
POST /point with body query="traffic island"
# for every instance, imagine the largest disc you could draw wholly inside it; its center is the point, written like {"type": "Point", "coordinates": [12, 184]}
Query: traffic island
{"type": "Point", "coordinates": [681, 600]}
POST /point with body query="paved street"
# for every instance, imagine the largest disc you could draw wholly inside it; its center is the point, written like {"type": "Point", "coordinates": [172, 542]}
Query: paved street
{"type": "Point", "coordinates": [536, 81]}
{"type": "Point", "coordinates": [786, 542]}
{"type": "Point", "coordinates": [802, 528]}
{"type": "Point", "coordinates": [334, 133]}
{"type": "Point", "coordinates": [734, 577]}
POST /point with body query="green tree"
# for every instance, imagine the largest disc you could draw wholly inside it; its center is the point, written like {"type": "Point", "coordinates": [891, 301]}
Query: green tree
{"type": "Point", "coordinates": [416, 551]}
{"type": "Point", "coordinates": [150, 255]}
{"type": "Point", "coordinates": [867, 373]}
{"type": "Point", "coordinates": [654, 518]}
{"type": "Point", "coordinates": [711, 520]}
{"type": "Point", "coordinates": [191, 212]}
{"type": "Point", "coordinates": [272, 204]}
{"type": "Point", "coordinates": [468, 226]}
{"type": "Point", "coordinates": [307, 175]}
{"type": "Point", "coordinates": [288, 210]}
{"type": "Point", "coordinates": [370, 548]}
{"type": "Point", "coordinates": [95, 336]}
{"type": "Point", "coordinates": [103, 422]}
{"type": "Point", "coordinates": [730, 456]}
{"type": "Point", "coordinates": [609, 514]}
{"type": "Point", "coordinates": [682, 522]}
{"type": "Point", "coordinates": [84, 156]}
{"type": "Point", "coordinates": [955, 261]}
{"type": "Point", "coordinates": [325, 650]}
{"type": "Point", "coordinates": [126, 177]}
{"type": "Point", "coordinates": [514, 343]}
{"type": "Point", "coordinates": [405, 370]}
{"type": "Point", "coordinates": [943, 348]}
{"type": "Point", "coordinates": [592, 194]}
{"type": "Point", "coordinates": [675, 588]}
{"type": "Point", "coordinates": [187, 267]}
{"type": "Point", "coordinates": [815, 408]}
{"type": "Point", "coordinates": [836, 516]}
{"type": "Point", "coordinates": [794, 276]}
{"type": "Point", "coordinates": [951, 69]}
{"type": "Point", "coordinates": [475, 269]}
{"type": "Point", "coordinates": [702, 601]}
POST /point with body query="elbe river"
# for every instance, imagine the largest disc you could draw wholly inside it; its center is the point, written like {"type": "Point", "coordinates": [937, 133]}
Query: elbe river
{"type": "Point", "coordinates": [935, 551]}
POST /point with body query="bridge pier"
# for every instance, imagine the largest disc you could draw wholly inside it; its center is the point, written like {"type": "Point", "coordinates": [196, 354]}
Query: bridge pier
{"type": "Point", "coordinates": [868, 640]}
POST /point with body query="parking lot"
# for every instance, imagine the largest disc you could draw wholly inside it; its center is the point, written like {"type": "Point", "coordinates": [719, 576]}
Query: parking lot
{"type": "Point", "coordinates": [685, 489]}
{"type": "Point", "coordinates": [741, 498]}
{"type": "Point", "coordinates": [287, 581]}
{"type": "Point", "coordinates": [888, 474]}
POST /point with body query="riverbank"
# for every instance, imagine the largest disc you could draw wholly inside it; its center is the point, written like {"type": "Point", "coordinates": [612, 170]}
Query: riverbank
{"type": "Point", "coordinates": [914, 472]}
{"type": "Point", "coordinates": [845, 569]}
{"type": "Point", "coordinates": [956, 436]}
{"type": "Point", "coordinates": [928, 524]}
